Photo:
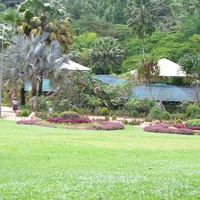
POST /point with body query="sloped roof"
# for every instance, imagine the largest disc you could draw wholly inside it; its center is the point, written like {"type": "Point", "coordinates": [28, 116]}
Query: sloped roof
{"type": "Point", "coordinates": [71, 65]}
{"type": "Point", "coordinates": [169, 68]}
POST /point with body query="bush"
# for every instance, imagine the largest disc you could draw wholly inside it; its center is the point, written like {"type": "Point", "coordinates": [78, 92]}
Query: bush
{"type": "Point", "coordinates": [198, 117]}
{"type": "Point", "coordinates": [134, 113]}
{"type": "Point", "coordinates": [107, 118]}
{"type": "Point", "coordinates": [166, 115]}
{"type": "Point", "coordinates": [69, 115]}
{"type": "Point", "coordinates": [104, 111]}
{"type": "Point", "coordinates": [75, 109]}
{"type": "Point", "coordinates": [148, 119]}
{"type": "Point", "coordinates": [24, 113]}
{"type": "Point", "coordinates": [54, 115]}
{"type": "Point", "coordinates": [134, 122]}
{"type": "Point", "coordinates": [114, 117]}
{"type": "Point", "coordinates": [156, 112]}
{"type": "Point", "coordinates": [193, 122]}
{"type": "Point", "coordinates": [178, 121]}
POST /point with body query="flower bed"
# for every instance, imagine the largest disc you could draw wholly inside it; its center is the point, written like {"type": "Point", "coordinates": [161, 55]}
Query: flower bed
{"type": "Point", "coordinates": [72, 120]}
{"type": "Point", "coordinates": [108, 125]}
{"type": "Point", "coordinates": [86, 123]}
{"type": "Point", "coordinates": [164, 128]}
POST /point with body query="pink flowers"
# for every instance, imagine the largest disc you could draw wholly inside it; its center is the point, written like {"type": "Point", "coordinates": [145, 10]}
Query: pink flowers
{"type": "Point", "coordinates": [97, 88]}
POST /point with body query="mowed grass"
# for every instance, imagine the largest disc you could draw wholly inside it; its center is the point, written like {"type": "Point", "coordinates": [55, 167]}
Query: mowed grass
{"type": "Point", "coordinates": [43, 163]}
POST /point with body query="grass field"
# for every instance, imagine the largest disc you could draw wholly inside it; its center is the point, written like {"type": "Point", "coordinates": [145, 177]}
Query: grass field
{"type": "Point", "coordinates": [43, 163]}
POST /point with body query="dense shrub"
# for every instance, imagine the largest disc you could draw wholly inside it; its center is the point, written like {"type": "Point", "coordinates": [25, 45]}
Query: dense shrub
{"type": "Point", "coordinates": [75, 109]}
{"type": "Point", "coordinates": [166, 115]}
{"type": "Point", "coordinates": [71, 120]}
{"type": "Point", "coordinates": [143, 106]}
{"type": "Point", "coordinates": [156, 112]}
{"type": "Point", "coordinates": [108, 125]}
{"type": "Point", "coordinates": [192, 110]}
{"type": "Point", "coordinates": [69, 115]}
{"type": "Point", "coordinates": [179, 121]}
{"type": "Point", "coordinates": [193, 122]}
{"type": "Point", "coordinates": [104, 111]}
{"type": "Point", "coordinates": [24, 113]}
{"type": "Point", "coordinates": [54, 115]}
{"type": "Point", "coordinates": [114, 117]}
{"type": "Point", "coordinates": [148, 119]}
{"type": "Point", "coordinates": [134, 122]}
{"type": "Point", "coordinates": [134, 113]}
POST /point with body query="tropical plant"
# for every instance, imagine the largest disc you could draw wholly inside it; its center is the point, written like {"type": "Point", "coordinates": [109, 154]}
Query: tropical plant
{"type": "Point", "coordinates": [140, 19]}
{"type": "Point", "coordinates": [191, 65]}
{"type": "Point", "coordinates": [38, 16]}
{"type": "Point", "coordinates": [106, 56]}
{"type": "Point", "coordinates": [32, 60]}
{"type": "Point", "coordinates": [148, 71]}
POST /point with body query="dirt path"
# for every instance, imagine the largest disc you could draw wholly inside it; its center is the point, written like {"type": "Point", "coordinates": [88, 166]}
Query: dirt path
{"type": "Point", "coordinates": [8, 113]}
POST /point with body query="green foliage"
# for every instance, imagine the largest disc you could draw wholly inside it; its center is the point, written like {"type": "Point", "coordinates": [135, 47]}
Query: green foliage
{"type": "Point", "coordinates": [114, 117]}
{"type": "Point", "coordinates": [147, 119]}
{"type": "Point", "coordinates": [106, 55]}
{"type": "Point", "coordinates": [104, 111]}
{"type": "Point", "coordinates": [69, 115]}
{"type": "Point", "coordinates": [166, 115]}
{"type": "Point", "coordinates": [107, 118]}
{"type": "Point", "coordinates": [193, 110]}
{"type": "Point", "coordinates": [193, 122]}
{"type": "Point", "coordinates": [134, 113]}
{"type": "Point", "coordinates": [198, 117]}
{"type": "Point", "coordinates": [54, 115]}
{"type": "Point", "coordinates": [85, 40]}
{"type": "Point", "coordinates": [156, 112]}
{"type": "Point", "coordinates": [178, 121]}
{"type": "Point", "coordinates": [75, 109]}
{"type": "Point", "coordinates": [24, 113]}
{"type": "Point", "coordinates": [144, 106]}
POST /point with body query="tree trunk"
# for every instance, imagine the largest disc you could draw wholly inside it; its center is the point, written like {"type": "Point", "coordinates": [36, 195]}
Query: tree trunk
{"type": "Point", "coordinates": [40, 92]}
{"type": "Point", "coordinates": [143, 50]}
{"type": "Point", "coordinates": [34, 89]}
{"type": "Point", "coordinates": [22, 96]}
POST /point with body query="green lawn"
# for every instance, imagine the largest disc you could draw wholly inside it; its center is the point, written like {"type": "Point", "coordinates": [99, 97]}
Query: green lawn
{"type": "Point", "coordinates": [55, 163]}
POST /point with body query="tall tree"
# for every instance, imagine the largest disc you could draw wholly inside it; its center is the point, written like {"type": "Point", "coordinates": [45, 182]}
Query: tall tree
{"type": "Point", "coordinates": [140, 19]}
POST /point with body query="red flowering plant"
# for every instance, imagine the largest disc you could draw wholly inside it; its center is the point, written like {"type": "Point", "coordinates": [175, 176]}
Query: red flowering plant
{"type": "Point", "coordinates": [80, 89]}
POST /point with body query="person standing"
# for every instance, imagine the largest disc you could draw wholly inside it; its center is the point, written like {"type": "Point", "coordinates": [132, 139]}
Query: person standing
{"type": "Point", "coordinates": [14, 103]}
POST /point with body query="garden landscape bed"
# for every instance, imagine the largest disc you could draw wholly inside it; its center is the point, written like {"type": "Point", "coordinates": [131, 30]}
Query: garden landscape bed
{"type": "Point", "coordinates": [77, 123]}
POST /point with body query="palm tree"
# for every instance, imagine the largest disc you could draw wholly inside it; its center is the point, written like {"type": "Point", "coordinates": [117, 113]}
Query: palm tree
{"type": "Point", "coordinates": [190, 23]}
{"type": "Point", "coordinates": [38, 16]}
{"type": "Point", "coordinates": [140, 19]}
{"type": "Point", "coordinates": [106, 55]}
{"type": "Point", "coordinates": [34, 60]}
